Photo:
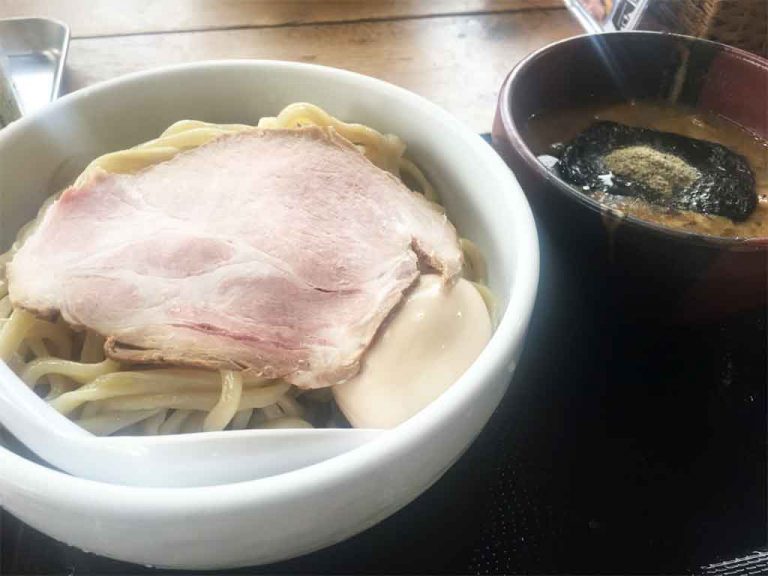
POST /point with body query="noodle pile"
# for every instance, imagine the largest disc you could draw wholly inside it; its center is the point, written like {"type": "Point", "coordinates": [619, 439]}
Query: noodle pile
{"type": "Point", "coordinates": [69, 370]}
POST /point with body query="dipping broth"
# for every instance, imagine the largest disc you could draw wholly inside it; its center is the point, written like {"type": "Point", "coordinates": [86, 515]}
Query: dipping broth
{"type": "Point", "coordinates": [548, 129]}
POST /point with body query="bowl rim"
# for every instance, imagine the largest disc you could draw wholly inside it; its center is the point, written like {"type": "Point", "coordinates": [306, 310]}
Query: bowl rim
{"type": "Point", "coordinates": [518, 143]}
{"type": "Point", "coordinates": [33, 478]}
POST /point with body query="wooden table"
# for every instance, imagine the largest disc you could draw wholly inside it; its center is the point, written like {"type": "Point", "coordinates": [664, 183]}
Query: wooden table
{"type": "Point", "coordinates": [454, 52]}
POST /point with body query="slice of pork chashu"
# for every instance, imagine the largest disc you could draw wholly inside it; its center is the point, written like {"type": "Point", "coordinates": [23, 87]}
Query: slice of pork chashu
{"type": "Point", "coordinates": [277, 251]}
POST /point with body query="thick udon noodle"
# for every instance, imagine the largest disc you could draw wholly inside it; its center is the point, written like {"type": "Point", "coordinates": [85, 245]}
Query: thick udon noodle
{"type": "Point", "coordinates": [69, 369]}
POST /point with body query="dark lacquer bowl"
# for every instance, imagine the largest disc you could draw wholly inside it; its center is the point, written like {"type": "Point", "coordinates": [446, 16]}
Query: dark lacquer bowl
{"type": "Point", "coordinates": [656, 272]}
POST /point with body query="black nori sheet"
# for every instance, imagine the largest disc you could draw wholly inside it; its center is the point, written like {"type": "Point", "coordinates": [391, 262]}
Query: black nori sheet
{"type": "Point", "coordinates": [726, 186]}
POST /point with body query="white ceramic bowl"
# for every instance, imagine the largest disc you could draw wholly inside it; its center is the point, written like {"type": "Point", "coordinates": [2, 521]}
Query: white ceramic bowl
{"type": "Point", "coordinates": [273, 518]}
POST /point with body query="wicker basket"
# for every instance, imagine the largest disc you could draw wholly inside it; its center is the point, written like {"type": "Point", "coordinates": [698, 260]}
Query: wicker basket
{"type": "Point", "coordinates": [740, 23]}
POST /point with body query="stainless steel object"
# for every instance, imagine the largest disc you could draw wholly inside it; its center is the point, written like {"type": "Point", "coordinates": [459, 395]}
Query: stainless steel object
{"type": "Point", "coordinates": [9, 99]}
{"type": "Point", "coordinates": [32, 54]}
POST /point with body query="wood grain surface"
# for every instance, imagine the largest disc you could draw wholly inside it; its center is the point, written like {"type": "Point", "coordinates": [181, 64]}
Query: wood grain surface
{"type": "Point", "coordinates": [118, 17]}
{"type": "Point", "coordinates": [454, 52]}
{"type": "Point", "coordinates": [459, 62]}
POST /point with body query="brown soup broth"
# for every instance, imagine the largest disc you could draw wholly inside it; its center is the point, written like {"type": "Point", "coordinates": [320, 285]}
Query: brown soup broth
{"type": "Point", "coordinates": [550, 128]}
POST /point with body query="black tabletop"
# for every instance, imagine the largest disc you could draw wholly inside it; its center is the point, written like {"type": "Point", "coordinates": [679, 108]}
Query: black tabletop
{"type": "Point", "coordinates": [619, 448]}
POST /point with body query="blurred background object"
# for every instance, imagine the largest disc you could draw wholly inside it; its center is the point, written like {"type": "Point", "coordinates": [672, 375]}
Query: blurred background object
{"type": "Point", "coordinates": [739, 23]}
{"type": "Point", "coordinates": [32, 55]}
{"type": "Point", "coordinates": [9, 99]}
